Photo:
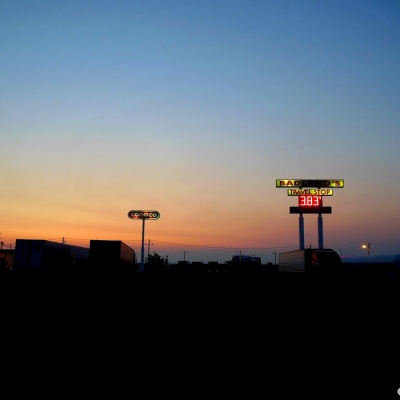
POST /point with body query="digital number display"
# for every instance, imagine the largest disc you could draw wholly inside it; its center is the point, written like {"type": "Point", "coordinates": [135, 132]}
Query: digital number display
{"type": "Point", "coordinates": [310, 201]}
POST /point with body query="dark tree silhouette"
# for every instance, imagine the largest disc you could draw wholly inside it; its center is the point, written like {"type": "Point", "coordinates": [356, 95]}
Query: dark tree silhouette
{"type": "Point", "coordinates": [155, 263]}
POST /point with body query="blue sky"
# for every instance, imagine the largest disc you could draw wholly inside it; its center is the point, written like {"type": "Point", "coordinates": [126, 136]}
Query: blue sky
{"type": "Point", "coordinates": [194, 108]}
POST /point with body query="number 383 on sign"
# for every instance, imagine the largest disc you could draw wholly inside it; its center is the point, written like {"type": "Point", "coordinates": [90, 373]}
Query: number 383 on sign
{"type": "Point", "coordinates": [310, 201]}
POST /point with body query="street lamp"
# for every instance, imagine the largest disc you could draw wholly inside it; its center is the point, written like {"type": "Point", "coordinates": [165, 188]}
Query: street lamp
{"type": "Point", "coordinates": [275, 256]}
{"type": "Point", "coordinates": [184, 254]}
{"type": "Point", "coordinates": [367, 246]}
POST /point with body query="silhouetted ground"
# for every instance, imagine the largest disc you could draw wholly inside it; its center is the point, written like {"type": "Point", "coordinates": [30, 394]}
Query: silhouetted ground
{"type": "Point", "coordinates": [250, 335]}
{"type": "Point", "coordinates": [268, 292]}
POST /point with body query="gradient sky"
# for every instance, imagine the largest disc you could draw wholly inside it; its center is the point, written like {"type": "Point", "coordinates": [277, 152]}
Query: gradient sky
{"type": "Point", "coordinates": [194, 109]}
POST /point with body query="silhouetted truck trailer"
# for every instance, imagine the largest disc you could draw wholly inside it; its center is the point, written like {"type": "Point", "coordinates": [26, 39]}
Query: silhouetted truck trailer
{"type": "Point", "coordinates": [111, 256]}
{"type": "Point", "coordinates": [244, 264]}
{"type": "Point", "coordinates": [380, 265]}
{"type": "Point", "coordinates": [309, 261]}
{"type": "Point", "coordinates": [48, 256]}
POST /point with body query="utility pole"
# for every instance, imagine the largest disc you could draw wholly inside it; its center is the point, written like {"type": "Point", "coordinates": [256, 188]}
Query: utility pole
{"type": "Point", "coordinates": [184, 254]}
{"type": "Point", "coordinates": [275, 256]}
{"type": "Point", "coordinates": [148, 248]}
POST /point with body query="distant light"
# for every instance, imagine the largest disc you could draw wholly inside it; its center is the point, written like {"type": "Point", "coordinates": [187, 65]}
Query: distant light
{"type": "Point", "coordinates": [367, 246]}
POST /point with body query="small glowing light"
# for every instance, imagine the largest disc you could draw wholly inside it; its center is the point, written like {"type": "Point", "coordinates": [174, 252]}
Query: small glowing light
{"type": "Point", "coordinates": [367, 246]}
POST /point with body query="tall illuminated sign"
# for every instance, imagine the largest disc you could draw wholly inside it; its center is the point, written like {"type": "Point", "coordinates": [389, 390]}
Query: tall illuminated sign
{"type": "Point", "coordinates": [310, 193]}
{"type": "Point", "coordinates": [143, 215]}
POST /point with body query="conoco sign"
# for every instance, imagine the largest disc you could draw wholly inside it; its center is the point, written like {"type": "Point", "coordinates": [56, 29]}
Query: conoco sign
{"type": "Point", "coordinates": [141, 214]}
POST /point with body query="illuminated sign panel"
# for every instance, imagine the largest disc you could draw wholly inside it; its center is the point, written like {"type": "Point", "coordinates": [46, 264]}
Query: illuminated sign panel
{"type": "Point", "coordinates": [310, 183]}
{"type": "Point", "coordinates": [317, 192]}
{"type": "Point", "coordinates": [310, 204]}
{"type": "Point", "coordinates": [310, 201]}
{"type": "Point", "coordinates": [140, 214]}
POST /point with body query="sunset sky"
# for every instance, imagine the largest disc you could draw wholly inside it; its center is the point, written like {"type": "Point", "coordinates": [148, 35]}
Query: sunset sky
{"type": "Point", "coordinates": [194, 108]}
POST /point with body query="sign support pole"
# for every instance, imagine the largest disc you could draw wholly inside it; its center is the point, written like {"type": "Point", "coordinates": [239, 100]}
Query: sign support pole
{"type": "Point", "coordinates": [143, 215]}
{"type": "Point", "coordinates": [142, 249]}
{"type": "Point", "coordinates": [301, 231]}
{"type": "Point", "coordinates": [320, 233]}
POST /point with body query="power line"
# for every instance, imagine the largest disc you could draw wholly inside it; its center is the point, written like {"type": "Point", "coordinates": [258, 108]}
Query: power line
{"type": "Point", "coordinates": [220, 247]}
{"type": "Point", "coordinates": [225, 247]}
{"type": "Point", "coordinates": [193, 245]}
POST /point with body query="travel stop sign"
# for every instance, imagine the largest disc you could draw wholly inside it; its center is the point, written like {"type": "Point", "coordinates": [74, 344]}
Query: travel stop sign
{"type": "Point", "coordinates": [310, 193]}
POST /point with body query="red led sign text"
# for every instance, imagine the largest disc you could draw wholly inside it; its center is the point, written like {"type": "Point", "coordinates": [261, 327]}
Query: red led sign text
{"type": "Point", "coordinates": [310, 201]}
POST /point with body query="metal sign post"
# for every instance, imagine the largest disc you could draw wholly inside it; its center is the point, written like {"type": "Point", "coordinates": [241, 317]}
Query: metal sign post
{"type": "Point", "coordinates": [319, 211]}
{"type": "Point", "coordinates": [142, 249]}
{"type": "Point", "coordinates": [143, 215]}
{"type": "Point", "coordinates": [320, 233]}
{"type": "Point", "coordinates": [301, 231]}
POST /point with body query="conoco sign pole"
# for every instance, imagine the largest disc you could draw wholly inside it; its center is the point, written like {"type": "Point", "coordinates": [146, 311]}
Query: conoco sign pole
{"type": "Point", "coordinates": [142, 250]}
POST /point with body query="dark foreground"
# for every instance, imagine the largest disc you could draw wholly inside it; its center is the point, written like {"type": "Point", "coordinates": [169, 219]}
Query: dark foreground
{"type": "Point", "coordinates": [264, 293]}
{"type": "Point", "coordinates": [272, 336]}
